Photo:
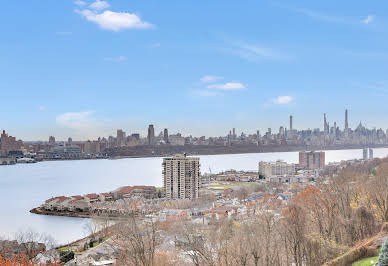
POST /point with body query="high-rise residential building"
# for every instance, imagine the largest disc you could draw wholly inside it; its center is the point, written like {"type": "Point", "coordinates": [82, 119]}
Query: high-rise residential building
{"type": "Point", "coordinates": [151, 135]}
{"type": "Point", "coordinates": [278, 168]}
{"type": "Point", "coordinates": [165, 135]}
{"type": "Point", "coordinates": [346, 120]}
{"type": "Point", "coordinates": [181, 177]}
{"type": "Point", "coordinates": [234, 133]}
{"type": "Point", "coordinates": [290, 122]}
{"type": "Point", "coordinates": [311, 160]}
{"type": "Point", "coordinates": [365, 153]}
{"type": "Point", "coordinates": [70, 141]}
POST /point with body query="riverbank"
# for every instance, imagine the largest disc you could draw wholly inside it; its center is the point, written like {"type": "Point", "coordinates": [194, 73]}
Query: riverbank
{"type": "Point", "coordinates": [55, 213]}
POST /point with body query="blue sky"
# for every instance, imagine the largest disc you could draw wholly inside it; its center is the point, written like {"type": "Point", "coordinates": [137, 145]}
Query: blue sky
{"type": "Point", "coordinates": [85, 68]}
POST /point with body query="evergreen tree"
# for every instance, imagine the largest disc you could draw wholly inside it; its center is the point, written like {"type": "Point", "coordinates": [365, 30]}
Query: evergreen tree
{"type": "Point", "coordinates": [383, 258]}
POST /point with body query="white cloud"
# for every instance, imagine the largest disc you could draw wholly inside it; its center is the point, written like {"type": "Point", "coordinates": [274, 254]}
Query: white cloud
{"type": "Point", "coordinates": [283, 100]}
{"type": "Point", "coordinates": [210, 79]}
{"type": "Point", "coordinates": [368, 19]}
{"type": "Point", "coordinates": [229, 86]}
{"type": "Point", "coordinates": [114, 21]}
{"type": "Point", "coordinates": [99, 5]}
{"type": "Point", "coordinates": [76, 120]}
{"type": "Point", "coordinates": [80, 3]}
{"type": "Point", "coordinates": [121, 58]}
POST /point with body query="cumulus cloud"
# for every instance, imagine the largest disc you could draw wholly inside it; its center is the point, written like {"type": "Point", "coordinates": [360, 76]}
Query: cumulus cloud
{"type": "Point", "coordinates": [76, 120]}
{"type": "Point", "coordinates": [210, 79]}
{"type": "Point", "coordinates": [115, 21]}
{"type": "Point", "coordinates": [368, 19]}
{"type": "Point", "coordinates": [120, 58]}
{"type": "Point", "coordinates": [99, 5]}
{"type": "Point", "coordinates": [283, 100]}
{"type": "Point", "coordinates": [229, 86]}
{"type": "Point", "coordinates": [80, 3]}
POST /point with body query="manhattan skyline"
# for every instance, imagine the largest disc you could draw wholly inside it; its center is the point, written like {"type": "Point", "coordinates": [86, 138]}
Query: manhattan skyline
{"type": "Point", "coordinates": [70, 68]}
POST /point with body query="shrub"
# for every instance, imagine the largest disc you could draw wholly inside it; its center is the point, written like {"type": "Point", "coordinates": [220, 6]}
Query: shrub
{"type": "Point", "coordinates": [383, 258]}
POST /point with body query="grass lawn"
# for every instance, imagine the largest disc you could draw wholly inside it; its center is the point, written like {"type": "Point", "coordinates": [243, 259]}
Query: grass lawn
{"type": "Point", "coordinates": [366, 262]}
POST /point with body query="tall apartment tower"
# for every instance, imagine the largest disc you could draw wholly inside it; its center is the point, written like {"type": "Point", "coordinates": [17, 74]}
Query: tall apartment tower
{"type": "Point", "coordinates": [346, 119]}
{"type": "Point", "coordinates": [181, 177]}
{"type": "Point", "coordinates": [290, 122]}
{"type": "Point", "coordinates": [311, 160]}
{"type": "Point", "coordinates": [151, 135]}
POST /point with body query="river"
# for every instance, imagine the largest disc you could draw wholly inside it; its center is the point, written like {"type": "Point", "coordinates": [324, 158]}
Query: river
{"type": "Point", "coordinates": [24, 186]}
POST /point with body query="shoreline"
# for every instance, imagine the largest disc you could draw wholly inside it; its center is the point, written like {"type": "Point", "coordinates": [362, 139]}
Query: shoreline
{"type": "Point", "coordinates": [240, 150]}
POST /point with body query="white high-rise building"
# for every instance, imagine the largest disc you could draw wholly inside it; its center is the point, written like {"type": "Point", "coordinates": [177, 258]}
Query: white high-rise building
{"type": "Point", "coordinates": [181, 177]}
{"type": "Point", "coordinates": [277, 168]}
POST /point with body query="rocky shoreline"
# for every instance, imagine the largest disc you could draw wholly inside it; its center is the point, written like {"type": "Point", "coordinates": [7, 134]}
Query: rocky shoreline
{"type": "Point", "coordinates": [66, 214]}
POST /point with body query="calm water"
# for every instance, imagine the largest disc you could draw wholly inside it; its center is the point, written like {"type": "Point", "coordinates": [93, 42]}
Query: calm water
{"type": "Point", "coordinates": [23, 186]}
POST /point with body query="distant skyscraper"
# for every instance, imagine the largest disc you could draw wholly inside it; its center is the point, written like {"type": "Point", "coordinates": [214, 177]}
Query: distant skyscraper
{"type": "Point", "coordinates": [290, 122]}
{"type": "Point", "coordinates": [234, 133]}
{"type": "Point", "coordinates": [365, 153]}
{"type": "Point", "coordinates": [151, 135]}
{"type": "Point", "coordinates": [181, 177]}
{"type": "Point", "coordinates": [281, 131]}
{"type": "Point", "coordinates": [346, 119]}
{"type": "Point", "coordinates": [70, 141]}
{"type": "Point", "coordinates": [52, 140]}
{"type": "Point", "coordinates": [370, 154]}
{"type": "Point", "coordinates": [165, 135]}
{"type": "Point", "coordinates": [120, 137]}
{"type": "Point", "coordinates": [324, 124]}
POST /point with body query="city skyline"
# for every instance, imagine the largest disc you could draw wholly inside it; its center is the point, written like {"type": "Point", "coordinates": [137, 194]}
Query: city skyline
{"type": "Point", "coordinates": [85, 73]}
{"type": "Point", "coordinates": [155, 130]}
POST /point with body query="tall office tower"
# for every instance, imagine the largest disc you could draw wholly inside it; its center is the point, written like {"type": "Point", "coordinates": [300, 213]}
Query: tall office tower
{"type": "Point", "coordinates": [281, 131]}
{"type": "Point", "coordinates": [181, 177]}
{"type": "Point", "coordinates": [290, 122]}
{"type": "Point", "coordinates": [311, 160]}
{"type": "Point", "coordinates": [234, 133]}
{"type": "Point", "coordinates": [120, 138]}
{"type": "Point", "coordinates": [365, 153]}
{"type": "Point", "coordinates": [70, 141]}
{"type": "Point", "coordinates": [52, 140]}
{"type": "Point", "coordinates": [165, 135]}
{"type": "Point", "coordinates": [370, 154]}
{"type": "Point", "coordinates": [151, 135]}
{"type": "Point", "coordinates": [324, 124]}
{"type": "Point", "coordinates": [346, 119]}
{"type": "Point", "coordinates": [335, 129]}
